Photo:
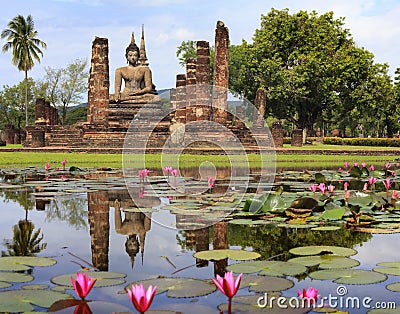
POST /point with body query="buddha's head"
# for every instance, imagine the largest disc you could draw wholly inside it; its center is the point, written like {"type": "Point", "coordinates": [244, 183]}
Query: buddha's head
{"type": "Point", "coordinates": [132, 53]}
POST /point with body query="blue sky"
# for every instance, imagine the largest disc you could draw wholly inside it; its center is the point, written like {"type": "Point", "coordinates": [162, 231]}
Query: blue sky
{"type": "Point", "coordinates": [69, 27]}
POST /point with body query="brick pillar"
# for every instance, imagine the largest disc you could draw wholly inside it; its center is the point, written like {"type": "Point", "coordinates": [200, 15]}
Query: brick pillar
{"type": "Point", "coordinates": [9, 133]}
{"type": "Point", "coordinates": [55, 116]}
{"type": "Point", "coordinates": [259, 110]}
{"type": "Point", "coordinates": [48, 112]}
{"type": "Point", "coordinates": [40, 111]}
{"type": "Point", "coordinates": [38, 138]}
{"type": "Point", "coordinates": [172, 98]}
{"type": "Point", "coordinates": [99, 83]}
{"type": "Point", "coordinates": [99, 222]}
{"type": "Point", "coordinates": [297, 137]}
{"type": "Point", "coordinates": [180, 114]}
{"type": "Point", "coordinates": [191, 89]}
{"type": "Point", "coordinates": [203, 80]}
{"type": "Point", "coordinates": [221, 73]}
{"type": "Point", "coordinates": [277, 133]}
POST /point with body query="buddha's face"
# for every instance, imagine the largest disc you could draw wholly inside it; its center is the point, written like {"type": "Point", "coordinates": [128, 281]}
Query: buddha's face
{"type": "Point", "coordinates": [132, 57]}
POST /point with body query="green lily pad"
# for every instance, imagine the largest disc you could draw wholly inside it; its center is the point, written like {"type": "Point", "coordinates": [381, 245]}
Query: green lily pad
{"type": "Point", "coordinates": [237, 255]}
{"type": "Point", "coordinates": [390, 268]}
{"type": "Point", "coordinates": [349, 276]}
{"type": "Point", "coordinates": [333, 214]}
{"type": "Point", "coordinates": [326, 228]}
{"type": "Point", "coordinates": [104, 278]}
{"type": "Point", "coordinates": [394, 287]}
{"type": "Point", "coordinates": [179, 287]}
{"type": "Point", "coordinates": [22, 263]}
{"type": "Point", "coordinates": [326, 261]}
{"type": "Point", "coordinates": [360, 201]}
{"type": "Point", "coordinates": [4, 285]}
{"type": "Point", "coordinates": [21, 300]}
{"type": "Point", "coordinates": [396, 310]}
{"type": "Point", "coordinates": [265, 283]}
{"type": "Point", "coordinates": [15, 277]}
{"type": "Point", "coordinates": [35, 287]}
{"type": "Point", "coordinates": [268, 268]}
{"type": "Point", "coordinates": [322, 249]}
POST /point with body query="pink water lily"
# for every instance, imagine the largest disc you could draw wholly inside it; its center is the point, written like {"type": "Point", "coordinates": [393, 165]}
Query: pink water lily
{"type": "Point", "coordinates": [346, 186]}
{"type": "Point", "coordinates": [63, 163]}
{"type": "Point", "coordinates": [228, 286]}
{"type": "Point", "coordinates": [346, 164]}
{"type": "Point", "coordinates": [311, 294]}
{"type": "Point", "coordinates": [331, 188]}
{"type": "Point", "coordinates": [340, 170]}
{"type": "Point", "coordinates": [47, 166]}
{"type": "Point", "coordinates": [313, 188]}
{"type": "Point", "coordinates": [143, 173]}
{"type": "Point", "coordinates": [365, 187]}
{"type": "Point", "coordinates": [387, 166]}
{"type": "Point", "coordinates": [364, 165]}
{"type": "Point", "coordinates": [372, 181]}
{"type": "Point", "coordinates": [372, 168]}
{"type": "Point", "coordinates": [387, 183]}
{"type": "Point", "coordinates": [211, 182]}
{"type": "Point", "coordinates": [395, 195]}
{"type": "Point", "coordinates": [174, 172]}
{"type": "Point", "coordinates": [355, 164]}
{"type": "Point", "coordinates": [140, 298]}
{"type": "Point", "coordinates": [82, 285]}
{"type": "Point", "coordinates": [167, 170]}
{"type": "Point", "coordinates": [322, 188]}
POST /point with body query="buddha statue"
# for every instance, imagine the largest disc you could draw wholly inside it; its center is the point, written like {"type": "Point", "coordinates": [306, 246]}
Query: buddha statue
{"type": "Point", "coordinates": [136, 75]}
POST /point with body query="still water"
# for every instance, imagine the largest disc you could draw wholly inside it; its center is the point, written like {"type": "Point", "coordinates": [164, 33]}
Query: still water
{"type": "Point", "coordinates": [85, 222]}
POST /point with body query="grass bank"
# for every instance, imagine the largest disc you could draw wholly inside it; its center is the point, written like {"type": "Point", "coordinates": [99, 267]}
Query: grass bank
{"type": "Point", "coordinates": [289, 161]}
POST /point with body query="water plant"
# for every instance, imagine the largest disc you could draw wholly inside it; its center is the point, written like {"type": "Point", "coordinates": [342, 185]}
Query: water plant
{"type": "Point", "coordinates": [228, 286]}
{"type": "Point", "coordinates": [82, 284]}
{"type": "Point", "coordinates": [140, 298]}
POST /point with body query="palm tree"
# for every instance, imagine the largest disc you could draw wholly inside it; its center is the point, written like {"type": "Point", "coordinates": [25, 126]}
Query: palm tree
{"type": "Point", "coordinates": [21, 37]}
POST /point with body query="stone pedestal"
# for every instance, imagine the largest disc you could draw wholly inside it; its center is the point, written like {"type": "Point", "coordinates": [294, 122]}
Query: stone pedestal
{"type": "Point", "coordinates": [297, 137]}
{"type": "Point", "coordinates": [277, 133]}
{"type": "Point", "coordinates": [38, 138]}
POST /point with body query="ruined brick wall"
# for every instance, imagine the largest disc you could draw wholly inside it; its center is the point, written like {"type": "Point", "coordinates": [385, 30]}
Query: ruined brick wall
{"type": "Point", "coordinates": [191, 89]}
{"type": "Point", "coordinates": [259, 108]}
{"type": "Point", "coordinates": [297, 137]}
{"type": "Point", "coordinates": [203, 80]}
{"type": "Point", "coordinates": [277, 133]}
{"type": "Point", "coordinates": [180, 98]}
{"type": "Point", "coordinates": [99, 83]}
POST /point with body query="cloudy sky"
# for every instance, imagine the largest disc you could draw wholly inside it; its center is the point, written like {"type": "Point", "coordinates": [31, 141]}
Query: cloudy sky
{"type": "Point", "coordinates": [69, 27]}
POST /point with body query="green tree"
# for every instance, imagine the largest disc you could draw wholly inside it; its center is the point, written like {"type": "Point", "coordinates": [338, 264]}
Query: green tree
{"type": "Point", "coordinates": [21, 38]}
{"type": "Point", "coordinates": [66, 86]}
{"type": "Point", "coordinates": [186, 50]}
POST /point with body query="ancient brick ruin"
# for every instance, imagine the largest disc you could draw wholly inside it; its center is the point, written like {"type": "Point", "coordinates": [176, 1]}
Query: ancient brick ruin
{"type": "Point", "coordinates": [192, 102]}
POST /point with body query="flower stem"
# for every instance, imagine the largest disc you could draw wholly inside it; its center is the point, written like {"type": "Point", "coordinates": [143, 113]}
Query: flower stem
{"type": "Point", "coordinates": [230, 306]}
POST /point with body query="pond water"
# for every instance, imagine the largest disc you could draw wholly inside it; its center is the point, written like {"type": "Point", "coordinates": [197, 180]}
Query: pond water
{"type": "Point", "coordinates": [88, 220]}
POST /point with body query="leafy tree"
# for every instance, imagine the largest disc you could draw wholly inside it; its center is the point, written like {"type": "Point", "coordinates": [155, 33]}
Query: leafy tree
{"type": "Point", "coordinates": [186, 50]}
{"type": "Point", "coordinates": [66, 86]}
{"type": "Point", "coordinates": [21, 37]}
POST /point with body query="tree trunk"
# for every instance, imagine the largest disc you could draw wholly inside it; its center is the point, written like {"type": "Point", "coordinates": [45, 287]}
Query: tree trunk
{"type": "Point", "coordinates": [26, 98]}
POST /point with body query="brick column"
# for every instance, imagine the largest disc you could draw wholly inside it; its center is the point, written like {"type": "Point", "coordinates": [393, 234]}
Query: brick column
{"type": "Point", "coordinates": [99, 83]}
{"type": "Point", "coordinates": [48, 112]}
{"type": "Point", "coordinates": [99, 222]}
{"type": "Point", "coordinates": [9, 133]}
{"type": "Point", "coordinates": [277, 133]}
{"type": "Point", "coordinates": [191, 89]}
{"type": "Point", "coordinates": [297, 137]}
{"type": "Point", "coordinates": [203, 80]}
{"type": "Point", "coordinates": [221, 73]}
{"type": "Point", "coordinates": [259, 110]}
{"type": "Point", "coordinates": [180, 98]}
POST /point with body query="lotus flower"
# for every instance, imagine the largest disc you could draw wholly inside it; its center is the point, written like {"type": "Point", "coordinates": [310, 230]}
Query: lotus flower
{"type": "Point", "coordinates": [140, 298]}
{"type": "Point", "coordinates": [340, 170]}
{"type": "Point", "coordinates": [228, 286]}
{"type": "Point", "coordinates": [174, 172]}
{"type": "Point", "coordinates": [387, 166]}
{"type": "Point", "coordinates": [167, 170]}
{"type": "Point", "coordinates": [63, 163]}
{"type": "Point", "coordinates": [313, 188]}
{"type": "Point", "coordinates": [82, 285]}
{"type": "Point", "coordinates": [311, 294]}
{"type": "Point", "coordinates": [211, 182]}
{"type": "Point", "coordinates": [355, 164]}
{"type": "Point", "coordinates": [331, 188]}
{"type": "Point", "coordinates": [365, 187]}
{"type": "Point", "coordinates": [372, 168]}
{"type": "Point", "coordinates": [47, 166]}
{"type": "Point", "coordinates": [143, 173]}
{"type": "Point", "coordinates": [395, 195]}
{"type": "Point", "coordinates": [346, 165]}
{"type": "Point", "coordinates": [372, 181]}
{"type": "Point", "coordinates": [387, 183]}
{"type": "Point", "coordinates": [63, 177]}
{"type": "Point", "coordinates": [322, 188]}
{"type": "Point", "coordinates": [346, 186]}
{"type": "Point", "coordinates": [364, 165]}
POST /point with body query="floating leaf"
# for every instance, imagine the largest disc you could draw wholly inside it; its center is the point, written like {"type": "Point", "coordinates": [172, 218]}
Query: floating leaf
{"type": "Point", "coordinates": [333, 214]}
{"type": "Point", "coordinates": [319, 178]}
{"type": "Point", "coordinates": [304, 203]}
{"type": "Point", "coordinates": [4, 285]}
{"type": "Point", "coordinates": [104, 278]}
{"type": "Point", "coordinates": [390, 268]}
{"type": "Point", "coordinates": [265, 283]}
{"type": "Point", "coordinates": [322, 249]}
{"type": "Point", "coordinates": [396, 310]}
{"type": "Point", "coordinates": [21, 300]}
{"type": "Point", "coordinates": [87, 306]}
{"type": "Point", "coordinates": [394, 287]}
{"type": "Point", "coordinates": [179, 287]}
{"type": "Point", "coordinates": [237, 255]}
{"type": "Point", "coordinates": [35, 287]}
{"type": "Point", "coordinates": [356, 172]}
{"type": "Point", "coordinates": [22, 263]}
{"type": "Point", "coordinates": [326, 228]}
{"type": "Point", "coordinates": [15, 277]}
{"type": "Point", "coordinates": [349, 276]}
{"type": "Point", "coordinates": [268, 268]}
{"type": "Point", "coordinates": [326, 261]}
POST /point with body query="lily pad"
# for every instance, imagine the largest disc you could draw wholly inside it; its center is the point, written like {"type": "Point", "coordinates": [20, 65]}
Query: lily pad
{"type": "Point", "coordinates": [322, 249]}
{"type": "Point", "coordinates": [237, 255]}
{"type": "Point", "coordinates": [15, 277]}
{"type": "Point", "coordinates": [384, 311]}
{"type": "Point", "coordinates": [390, 268]}
{"type": "Point", "coordinates": [265, 283]}
{"type": "Point", "coordinates": [22, 300]}
{"type": "Point", "coordinates": [349, 276]}
{"type": "Point", "coordinates": [394, 287]}
{"type": "Point", "coordinates": [333, 214]}
{"type": "Point", "coordinates": [326, 228]}
{"type": "Point", "coordinates": [104, 278]}
{"type": "Point", "coordinates": [22, 263]}
{"type": "Point", "coordinates": [326, 261]}
{"type": "Point", "coordinates": [268, 268]}
{"type": "Point", "coordinates": [179, 287]}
